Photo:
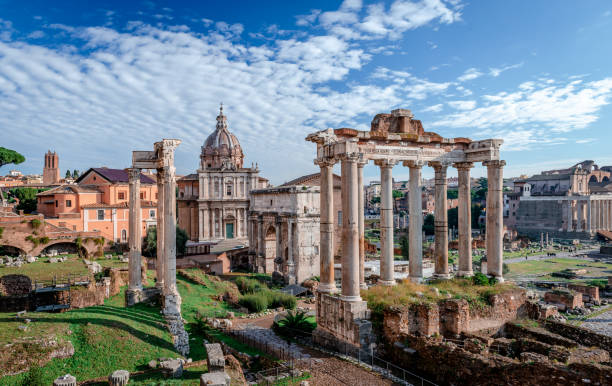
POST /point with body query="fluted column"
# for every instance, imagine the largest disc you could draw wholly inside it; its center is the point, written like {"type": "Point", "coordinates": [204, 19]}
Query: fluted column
{"type": "Point", "coordinates": [386, 222]}
{"type": "Point", "coordinates": [465, 219]}
{"type": "Point", "coordinates": [495, 220]}
{"type": "Point", "coordinates": [326, 249]}
{"type": "Point", "coordinates": [290, 246]}
{"type": "Point", "coordinates": [361, 208]}
{"type": "Point", "coordinates": [172, 298]}
{"type": "Point", "coordinates": [135, 232]}
{"type": "Point", "coordinates": [440, 221]}
{"type": "Point", "coordinates": [350, 229]}
{"type": "Point", "coordinates": [589, 217]}
{"type": "Point", "coordinates": [416, 222]}
{"type": "Point", "coordinates": [161, 260]}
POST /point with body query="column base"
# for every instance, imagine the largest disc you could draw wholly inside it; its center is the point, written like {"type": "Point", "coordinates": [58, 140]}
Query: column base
{"type": "Point", "coordinates": [172, 303]}
{"type": "Point", "coordinates": [327, 288]}
{"type": "Point", "coordinates": [388, 283]}
{"type": "Point", "coordinates": [442, 276]}
{"type": "Point", "coordinates": [500, 279]}
{"type": "Point", "coordinates": [133, 296]}
{"type": "Point", "coordinates": [416, 279]}
{"type": "Point", "coordinates": [465, 273]}
{"type": "Point", "coordinates": [350, 298]}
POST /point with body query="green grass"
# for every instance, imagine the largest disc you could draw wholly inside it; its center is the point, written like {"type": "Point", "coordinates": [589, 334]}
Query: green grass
{"type": "Point", "coordinates": [43, 270]}
{"type": "Point", "coordinates": [544, 267]}
{"type": "Point", "coordinates": [112, 337]}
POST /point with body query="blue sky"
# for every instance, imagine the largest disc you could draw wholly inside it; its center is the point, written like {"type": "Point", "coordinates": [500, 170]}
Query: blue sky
{"type": "Point", "coordinates": [96, 81]}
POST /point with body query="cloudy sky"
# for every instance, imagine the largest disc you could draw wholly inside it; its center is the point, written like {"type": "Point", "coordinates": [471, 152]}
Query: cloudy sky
{"type": "Point", "coordinates": [94, 82]}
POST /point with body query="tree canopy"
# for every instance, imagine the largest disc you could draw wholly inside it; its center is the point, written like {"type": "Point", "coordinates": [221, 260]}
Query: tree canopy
{"type": "Point", "coordinates": [150, 242]}
{"type": "Point", "coordinates": [8, 156]}
{"type": "Point", "coordinates": [26, 197]}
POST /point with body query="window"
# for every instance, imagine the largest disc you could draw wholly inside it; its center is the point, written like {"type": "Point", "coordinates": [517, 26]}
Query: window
{"type": "Point", "coordinates": [156, 195]}
{"type": "Point", "coordinates": [229, 190]}
{"type": "Point", "coordinates": [339, 218]}
{"type": "Point", "coordinates": [142, 195]}
{"type": "Point", "coordinates": [152, 213]}
{"type": "Point", "coordinates": [68, 204]}
{"type": "Point", "coordinates": [124, 235]}
{"type": "Point", "coordinates": [121, 195]}
{"type": "Point", "coordinates": [56, 203]}
{"type": "Point", "coordinates": [100, 214]}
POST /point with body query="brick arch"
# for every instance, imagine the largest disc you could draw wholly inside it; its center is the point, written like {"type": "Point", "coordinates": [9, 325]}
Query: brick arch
{"type": "Point", "coordinates": [57, 243]}
{"type": "Point", "coordinates": [20, 250]}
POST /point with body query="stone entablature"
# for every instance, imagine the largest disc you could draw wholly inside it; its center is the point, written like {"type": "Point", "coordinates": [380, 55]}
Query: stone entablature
{"type": "Point", "coordinates": [284, 232]}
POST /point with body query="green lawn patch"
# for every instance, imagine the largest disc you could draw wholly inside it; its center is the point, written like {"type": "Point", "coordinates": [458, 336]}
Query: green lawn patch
{"type": "Point", "coordinates": [43, 270]}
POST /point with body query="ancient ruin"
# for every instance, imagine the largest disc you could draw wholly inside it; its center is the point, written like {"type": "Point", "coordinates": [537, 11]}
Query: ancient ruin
{"type": "Point", "coordinates": [395, 138]}
{"type": "Point", "coordinates": [162, 160]}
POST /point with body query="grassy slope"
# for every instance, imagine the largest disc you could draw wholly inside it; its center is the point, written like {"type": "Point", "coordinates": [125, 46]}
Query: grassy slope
{"type": "Point", "coordinates": [112, 337]}
{"type": "Point", "coordinates": [43, 270]}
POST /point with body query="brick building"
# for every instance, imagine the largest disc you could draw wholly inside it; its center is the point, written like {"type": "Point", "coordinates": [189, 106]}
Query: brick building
{"type": "Point", "coordinates": [99, 202]}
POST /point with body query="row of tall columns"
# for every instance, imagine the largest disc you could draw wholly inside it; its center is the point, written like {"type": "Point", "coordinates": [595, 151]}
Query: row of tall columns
{"type": "Point", "coordinates": [587, 215]}
{"type": "Point", "coordinates": [465, 219]}
{"type": "Point", "coordinates": [360, 204]}
{"type": "Point", "coordinates": [495, 220]}
{"type": "Point", "coordinates": [601, 214]}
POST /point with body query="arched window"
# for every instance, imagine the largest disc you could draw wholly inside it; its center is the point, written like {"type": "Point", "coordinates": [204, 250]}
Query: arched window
{"type": "Point", "coordinates": [123, 235]}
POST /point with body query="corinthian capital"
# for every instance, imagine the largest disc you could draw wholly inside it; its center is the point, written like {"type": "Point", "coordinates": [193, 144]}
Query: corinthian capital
{"type": "Point", "coordinates": [133, 175]}
{"type": "Point", "coordinates": [325, 162]}
{"type": "Point", "coordinates": [350, 157]}
{"type": "Point", "coordinates": [386, 163]}
{"type": "Point", "coordinates": [494, 164]}
{"type": "Point", "coordinates": [464, 166]}
{"type": "Point", "coordinates": [414, 164]}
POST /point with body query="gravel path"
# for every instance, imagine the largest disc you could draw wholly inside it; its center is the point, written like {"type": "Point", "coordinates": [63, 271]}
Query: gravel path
{"type": "Point", "coordinates": [600, 323]}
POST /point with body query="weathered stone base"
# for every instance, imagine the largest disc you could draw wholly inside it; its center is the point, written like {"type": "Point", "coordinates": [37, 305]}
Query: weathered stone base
{"type": "Point", "coordinates": [180, 339]}
{"type": "Point", "coordinates": [341, 322]}
{"type": "Point", "coordinates": [133, 296]}
{"type": "Point", "coordinates": [172, 303]}
{"type": "Point", "coordinates": [145, 295]}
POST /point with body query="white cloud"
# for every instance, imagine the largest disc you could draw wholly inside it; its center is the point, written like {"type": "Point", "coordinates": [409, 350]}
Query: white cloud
{"type": "Point", "coordinates": [434, 108]}
{"type": "Point", "coordinates": [495, 72]}
{"type": "Point", "coordinates": [547, 108]}
{"type": "Point", "coordinates": [470, 74]}
{"type": "Point", "coordinates": [36, 34]}
{"type": "Point", "coordinates": [462, 105]}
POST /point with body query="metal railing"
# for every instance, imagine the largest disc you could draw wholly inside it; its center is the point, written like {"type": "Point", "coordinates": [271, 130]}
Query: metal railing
{"type": "Point", "coordinates": [63, 281]}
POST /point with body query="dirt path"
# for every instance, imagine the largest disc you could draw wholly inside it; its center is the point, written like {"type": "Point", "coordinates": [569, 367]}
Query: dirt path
{"type": "Point", "coordinates": [328, 370]}
{"type": "Point", "coordinates": [601, 323]}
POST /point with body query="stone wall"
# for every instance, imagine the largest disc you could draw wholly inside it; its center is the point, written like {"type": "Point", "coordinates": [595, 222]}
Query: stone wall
{"type": "Point", "coordinates": [342, 320]}
{"type": "Point", "coordinates": [447, 363]}
{"type": "Point", "coordinates": [579, 334]}
{"type": "Point", "coordinates": [454, 316]}
{"type": "Point", "coordinates": [15, 285]}
{"type": "Point", "coordinates": [589, 293]}
{"type": "Point", "coordinates": [564, 299]}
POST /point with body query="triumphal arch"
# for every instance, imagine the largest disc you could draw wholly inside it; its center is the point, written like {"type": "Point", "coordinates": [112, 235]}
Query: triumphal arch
{"type": "Point", "coordinates": [393, 139]}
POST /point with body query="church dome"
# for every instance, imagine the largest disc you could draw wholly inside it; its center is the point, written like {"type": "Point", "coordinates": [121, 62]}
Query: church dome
{"type": "Point", "coordinates": [221, 149]}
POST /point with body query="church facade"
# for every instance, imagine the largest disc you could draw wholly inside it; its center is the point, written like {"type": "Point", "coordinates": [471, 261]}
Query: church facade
{"type": "Point", "coordinates": [213, 203]}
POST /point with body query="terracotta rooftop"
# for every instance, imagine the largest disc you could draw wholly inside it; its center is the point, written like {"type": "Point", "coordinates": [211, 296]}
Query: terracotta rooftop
{"type": "Point", "coordinates": [309, 177]}
{"type": "Point", "coordinates": [63, 189]}
{"type": "Point", "coordinates": [116, 175]}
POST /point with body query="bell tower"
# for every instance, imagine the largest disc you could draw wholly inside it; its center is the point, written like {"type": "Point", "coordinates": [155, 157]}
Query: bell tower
{"type": "Point", "coordinates": [51, 173]}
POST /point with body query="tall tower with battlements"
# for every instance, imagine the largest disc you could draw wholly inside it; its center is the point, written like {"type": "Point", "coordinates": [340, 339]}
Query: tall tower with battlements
{"type": "Point", "coordinates": [51, 172]}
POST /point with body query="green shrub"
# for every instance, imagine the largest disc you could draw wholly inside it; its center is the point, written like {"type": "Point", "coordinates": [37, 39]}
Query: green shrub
{"type": "Point", "coordinates": [1, 231]}
{"type": "Point", "coordinates": [505, 269]}
{"type": "Point", "coordinates": [44, 240]}
{"type": "Point", "coordinates": [35, 223]}
{"type": "Point", "coordinates": [280, 299]}
{"type": "Point", "coordinates": [249, 286]}
{"type": "Point", "coordinates": [601, 283]}
{"type": "Point", "coordinates": [32, 239]}
{"type": "Point", "coordinates": [254, 302]}
{"type": "Point", "coordinates": [295, 323]}
{"type": "Point", "coordinates": [480, 279]}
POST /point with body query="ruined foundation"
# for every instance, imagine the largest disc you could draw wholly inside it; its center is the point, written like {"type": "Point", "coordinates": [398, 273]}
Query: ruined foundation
{"type": "Point", "coordinates": [340, 322]}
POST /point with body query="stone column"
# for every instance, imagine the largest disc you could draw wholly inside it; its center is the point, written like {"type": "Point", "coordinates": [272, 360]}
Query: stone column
{"type": "Point", "coordinates": [441, 221]}
{"type": "Point", "coordinates": [134, 292]}
{"type": "Point", "coordinates": [350, 229]}
{"type": "Point", "coordinates": [252, 239]}
{"type": "Point", "coordinates": [361, 208]}
{"type": "Point", "coordinates": [579, 215]}
{"type": "Point", "coordinates": [279, 247]}
{"type": "Point", "coordinates": [261, 233]}
{"type": "Point", "coordinates": [326, 250]}
{"type": "Point", "coordinates": [245, 214]}
{"type": "Point", "coordinates": [172, 299]}
{"type": "Point", "coordinates": [290, 246]}
{"type": "Point", "coordinates": [495, 220]}
{"type": "Point", "coordinates": [465, 219]}
{"type": "Point", "coordinates": [160, 263]}
{"type": "Point", "coordinates": [570, 216]}
{"type": "Point", "coordinates": [605, 215]}
{"type": "Point", "coordinates": [589, 218]}
{"type": "Point", "coordinates": [416, 222]}
{"type": "Point", "coordinates": [386, 222]}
